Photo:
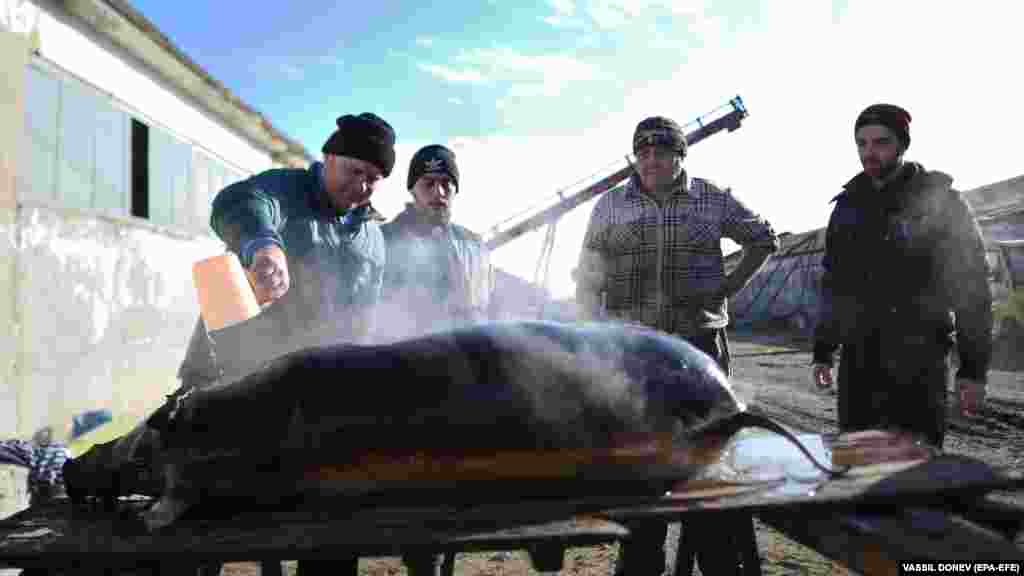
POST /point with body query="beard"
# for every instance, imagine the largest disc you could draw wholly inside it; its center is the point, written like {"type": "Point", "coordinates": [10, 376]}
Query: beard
{"type": "Point", "coordinates": [881, 169]}
{"type": "Point", "coordinates": [656, 182]}
{"type": "Point", "coordinates": [434, 215]}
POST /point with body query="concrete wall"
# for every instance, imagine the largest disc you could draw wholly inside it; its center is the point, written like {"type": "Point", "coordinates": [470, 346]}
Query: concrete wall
{"type": "Point", "coordinates": [95, 309]}
{"type": "Point", "coordinates": [106, 308]}
{"type": "Point", "coordinates": [13, 495]}
{"type": "Point", "coordinates": [13, 57]}
{"type": "Point", "coordinates": [73, 47]}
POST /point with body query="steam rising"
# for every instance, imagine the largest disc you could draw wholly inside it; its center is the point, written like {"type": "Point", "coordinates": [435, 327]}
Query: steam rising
{"type": "Point", "coordinates": [564, 384]}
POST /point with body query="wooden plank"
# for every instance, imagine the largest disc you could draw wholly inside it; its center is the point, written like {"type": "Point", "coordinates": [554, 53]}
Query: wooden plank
{"type": "Point", "coordinates": [880, 487]}
{"type": "Point", "coordinates": [876, 544]}
{"type": "Point", "coordinates": [55, 534]}
{"type": "Point", "coordinates": [793, 497]}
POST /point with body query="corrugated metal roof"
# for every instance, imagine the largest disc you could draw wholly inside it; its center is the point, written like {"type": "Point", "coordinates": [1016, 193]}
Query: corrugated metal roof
{"type": "Point", "coordinates": [997, 198]}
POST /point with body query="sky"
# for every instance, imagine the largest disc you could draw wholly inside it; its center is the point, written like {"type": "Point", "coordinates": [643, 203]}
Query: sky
{"type": "Point", "coordinates": [535, 97]}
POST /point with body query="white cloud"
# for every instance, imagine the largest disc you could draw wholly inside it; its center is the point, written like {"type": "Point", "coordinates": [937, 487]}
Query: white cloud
{"type": "Point", "coordinates": [607, 15]}
{"type": "Point", "coordinates": [467, 76]}
{"type": "Point", "coordinates": [507, 59]}
{"type": "Point", "coordinates": [637, 7]}
{"type": "Point", "coordinates": [454, 100]}
{"type": "Point", "coordinates": [292, 72]}
{"type": "Point", "coordinates": [589, 40]}
{"type": "Point", "coordinates": [563, 7]}
{"type": "Point", "coordinates": [804, 80]}
{"type": "Point", "coordinates": [564, 22]}
{"type": "Point", "coordinates": [532, 75]}
{"type": "Point", "coordinates": [612, 14]}
{"type": "Point", "coordinates": [331, 61]}
{"type": "Point", "coordinates": [424, 41]}
{"type": "Point", "coordinates": [564, 15]}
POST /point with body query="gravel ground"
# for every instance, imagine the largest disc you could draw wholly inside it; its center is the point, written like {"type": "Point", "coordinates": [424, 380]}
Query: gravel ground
{"type": "Point", "coordinates": [772, 372]}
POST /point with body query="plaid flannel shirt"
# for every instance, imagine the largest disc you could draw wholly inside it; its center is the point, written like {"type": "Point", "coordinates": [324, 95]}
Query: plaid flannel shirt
{"type": "Point", "coordinates": [662, 265]}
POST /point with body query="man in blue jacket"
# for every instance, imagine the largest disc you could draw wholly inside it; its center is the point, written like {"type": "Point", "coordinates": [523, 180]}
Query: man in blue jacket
{"type": "Point", "coordinates": [312, 247]}
{"type": "Point", "coordinates": [313, 250]}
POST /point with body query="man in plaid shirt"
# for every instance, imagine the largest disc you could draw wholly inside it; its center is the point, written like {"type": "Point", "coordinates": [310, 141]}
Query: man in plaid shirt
{"type": "Point", "coordinates": [652, 252]}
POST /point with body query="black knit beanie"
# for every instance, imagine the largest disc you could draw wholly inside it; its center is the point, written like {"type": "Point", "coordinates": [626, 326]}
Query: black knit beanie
{"type": "Point", "coordinates": [889, 115]}
{"type": "Point", "coordinates": [659, 131]}
{"type": "Point", "coordinates": [433, 159]}
{"type": "Point", "coordinates": [366, 137]}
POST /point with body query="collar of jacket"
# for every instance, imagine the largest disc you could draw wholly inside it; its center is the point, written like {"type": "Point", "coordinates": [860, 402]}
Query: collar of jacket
{"type": "Point", "coordinates": [409, 221]}
{"type": "Point", "coordinates": [911, 178]}
{"type": "Point", "coordinates": [317, 198]}
{"type": "Point", "coordinates": [680, 186]}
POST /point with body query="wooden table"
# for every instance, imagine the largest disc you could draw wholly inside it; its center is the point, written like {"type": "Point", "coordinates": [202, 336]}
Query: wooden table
{"type": "Point", "coordinates": [887, 512]}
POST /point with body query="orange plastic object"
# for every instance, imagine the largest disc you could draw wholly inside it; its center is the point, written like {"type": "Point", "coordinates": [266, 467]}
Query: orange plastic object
{"type": "Point", "coordinates": [225, 295]}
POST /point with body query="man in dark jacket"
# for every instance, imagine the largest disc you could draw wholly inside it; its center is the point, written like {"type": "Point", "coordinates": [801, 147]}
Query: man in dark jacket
{"type": "Point", "coordinates": [905, 279]}
{"type": "Point", "coordinates": [438, 274]}
{"type": "Point", "coordinates": [312, 247]}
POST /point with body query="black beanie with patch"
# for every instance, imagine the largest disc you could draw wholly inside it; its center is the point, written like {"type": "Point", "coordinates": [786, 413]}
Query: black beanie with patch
{"type": "Point", "coordinates": [367, 137]}
{"type": "Point", "coordinates": [889, 115]}
{"type": "Point", "coordinates": [433, 159]}
{"type": "Point", "coordinates": [659, 131]}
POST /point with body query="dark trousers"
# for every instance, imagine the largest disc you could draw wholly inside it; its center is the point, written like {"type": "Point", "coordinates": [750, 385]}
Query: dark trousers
{"type": "Point", "coordinates": [893, 381]}
{"type": "Point", "coordinates": [720, 544]}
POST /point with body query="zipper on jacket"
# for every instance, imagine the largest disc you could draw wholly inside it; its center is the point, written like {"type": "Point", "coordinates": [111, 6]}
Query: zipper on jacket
{"type": "Point", "coordinates": [659, 302]}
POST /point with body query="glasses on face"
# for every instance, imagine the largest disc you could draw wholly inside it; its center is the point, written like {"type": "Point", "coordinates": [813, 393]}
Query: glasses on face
{"type": "Point", "coordinates": [656, 139]}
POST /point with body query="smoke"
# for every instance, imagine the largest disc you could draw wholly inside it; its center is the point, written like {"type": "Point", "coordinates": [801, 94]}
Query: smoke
{"type": "Point", "coordinates": [415, 299]}
{"type": "Point", "coordinates": [745, 390]}
{"type": "Point", "coordinates": [566, 380]}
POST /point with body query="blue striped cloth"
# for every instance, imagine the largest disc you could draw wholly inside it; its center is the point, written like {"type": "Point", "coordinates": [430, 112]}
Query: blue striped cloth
{"type": "Point", "coordinates": [44, 462]}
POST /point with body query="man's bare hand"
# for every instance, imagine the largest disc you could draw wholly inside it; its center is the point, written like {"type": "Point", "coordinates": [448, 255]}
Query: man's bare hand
{"type": "Point", "coordinates": [822, 376]}
{"type": "Point", "coordinates": [971, 394]}
{"type": "Point", "coordinates": [268, 274]}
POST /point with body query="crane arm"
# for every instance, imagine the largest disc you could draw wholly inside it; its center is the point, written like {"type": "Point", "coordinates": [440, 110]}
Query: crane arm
{"type": "Point", "coordinates": [730, 122]}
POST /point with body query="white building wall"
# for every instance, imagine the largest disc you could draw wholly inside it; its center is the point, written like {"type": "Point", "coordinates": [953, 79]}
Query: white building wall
{"type": "Point", "coordinates": [97, 306]}
{"type": "Point", "coordinates": [71, 49]}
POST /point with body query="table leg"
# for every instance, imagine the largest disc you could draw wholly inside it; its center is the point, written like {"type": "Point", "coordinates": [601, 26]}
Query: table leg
{"type": "Point", "coordinates": [271, 568]}
{"type": "Point", "coordinates": [547, 557]}
{"type": "Point", "coordinates": [348, 566]}
{"type": "Point", "coordinates": [643, 552]}
{"type": "Point", "coordinates": [685, 551]}
{"type": "Point", "coordinates": [422, 563]}
{"type": "Point", "coordinates": [448, 564]}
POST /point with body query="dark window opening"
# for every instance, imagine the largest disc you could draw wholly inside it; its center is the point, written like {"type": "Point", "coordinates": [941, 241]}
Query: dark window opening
{"type": "Point", "coordinates": [140, 169]}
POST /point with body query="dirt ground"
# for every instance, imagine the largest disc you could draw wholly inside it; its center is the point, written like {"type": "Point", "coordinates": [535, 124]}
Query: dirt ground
{"type": "Point", "coordinates": [771, 371]}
